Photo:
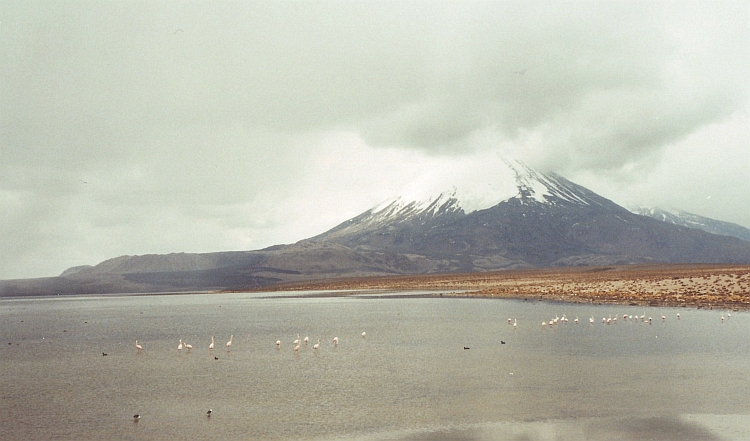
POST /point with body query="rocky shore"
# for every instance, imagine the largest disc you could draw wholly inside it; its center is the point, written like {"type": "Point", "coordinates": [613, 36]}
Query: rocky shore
{"type": "Point", "coordinates": [695, 286]}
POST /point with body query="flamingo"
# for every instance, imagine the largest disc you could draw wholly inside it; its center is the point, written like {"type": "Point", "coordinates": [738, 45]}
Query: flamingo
{"type": "Point", "coordinates": [229, 343]}
{"type": "Point", "coordinates": [306, 339]}
{"type": "Point", "coordinates": [515, 323]}
{"type": "Point", "coordinates": [575, 321]}
{"type": "Point", "coordinates": [296, 341]}
{"type": "Point", "coordinates": [278, 344]}
{"type": "Point", "coordinates": [509, 321]}
{"type": "Point", "coordinates": [139, 347]}
{"type": "Point", "coordinates": [544, 324]}
{"type": "Point", "coordinates": [179, 347]}
{"type": "Point", "coordinates": [335, 341]}
{"type": "Point", "coordinates": [188, 347]}
{"type": "Point", "coordinates": [678, 316]}
{"type": "Point", "coordinates": [296, 348]}
{"type": "Point", "coordinates": [208, 414]}
{"type": "Point", "coordinates": [364, 334]}
{"type": "Point", "coordinates": [663, 317]}
{"type": "Point", "coordinates": [211, 346]}
{"type": "Point", "coordinates": [316, 345]}
{"type": "Point", "coordinates": [591, 320]}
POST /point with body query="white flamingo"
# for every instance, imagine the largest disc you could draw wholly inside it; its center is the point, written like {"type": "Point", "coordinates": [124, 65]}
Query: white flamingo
{"type": "Point", "coordinates": [515, 323]}
{"type": "Point", "coordinates": [296, 342]}
{"type": "Point", "coordinates": [296, 348]}
{"type": "Point", "coordinates": [591, 320]}
{"type": "Point", "coordinates": [211, 346]}
{"type": "Point", "coordinates": [179, 346]}
{"type": "Point", "coordinates": [229, 343]}
{"type": "Point", "coordinates": [364, 334]}
{"type": "Point", "coordinates": [137, 346]}
{"type": "Point", "coordinates": [306, 339]}
{"type": "Point", "coordinates": [278, 344]}
{"type": "Point", "coordinates": [316, 345]}
{"type": "Point", "coordinates": [188, 347]}
{"type": "Point", "coordinates": [335, 341]}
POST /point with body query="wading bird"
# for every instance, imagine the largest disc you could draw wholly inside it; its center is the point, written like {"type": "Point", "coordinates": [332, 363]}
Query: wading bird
{"type": "Point", "coordinates": [229, 343]}
{"type": "Point", "coordinates": [137, 346]}
{"type": "Point", "coordinates": [211, 346]}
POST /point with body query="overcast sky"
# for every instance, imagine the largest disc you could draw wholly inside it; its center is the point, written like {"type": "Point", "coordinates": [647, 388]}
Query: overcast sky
{"type": "Point", "coordinates": [156, 127]}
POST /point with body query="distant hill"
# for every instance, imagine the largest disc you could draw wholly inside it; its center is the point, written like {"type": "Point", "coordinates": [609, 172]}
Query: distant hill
{"type": "Point", "coordinates": [685, 219]}
{"type": "Point", "coordinates": [533, 220]}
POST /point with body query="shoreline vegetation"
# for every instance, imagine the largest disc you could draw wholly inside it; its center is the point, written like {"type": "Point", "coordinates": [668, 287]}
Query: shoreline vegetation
{"type": "Point", "coordinates": [708, 286]}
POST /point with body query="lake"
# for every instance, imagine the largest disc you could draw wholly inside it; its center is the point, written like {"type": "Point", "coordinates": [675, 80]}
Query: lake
{"type": "Point", "coordinates": [435, 368]}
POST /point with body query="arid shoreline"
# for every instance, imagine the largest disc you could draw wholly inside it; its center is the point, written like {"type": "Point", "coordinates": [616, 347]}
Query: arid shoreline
{"type": "Point", "coordinates": [696, 286]}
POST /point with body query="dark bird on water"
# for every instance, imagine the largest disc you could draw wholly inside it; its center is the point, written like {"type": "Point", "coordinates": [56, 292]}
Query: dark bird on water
{"type": "Point", "coordinates": [209, 412]}
{"type": "Point", "coordinates": [136, 417]}
{"type": "Point", "coordinates": [466, 347]}
{"type": "Point", "coordinates": [216, 358]}
{"type": "Point", "coordinates": [502, 342]}
{"type": "Point", "coordinates": [104, 354]}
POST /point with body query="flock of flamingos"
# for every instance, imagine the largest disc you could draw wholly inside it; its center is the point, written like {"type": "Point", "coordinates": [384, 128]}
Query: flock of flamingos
{"type": "Point", "coordinates": [297, 343]}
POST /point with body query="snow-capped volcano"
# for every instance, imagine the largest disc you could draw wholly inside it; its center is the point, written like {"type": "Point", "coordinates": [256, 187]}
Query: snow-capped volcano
{"type": "Point", "coordinates": [513, 181]}
{"type": "Point", "coordinates": [524, 218]}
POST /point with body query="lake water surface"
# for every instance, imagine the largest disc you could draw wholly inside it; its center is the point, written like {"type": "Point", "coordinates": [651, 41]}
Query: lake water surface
{"type": "Point", "coordinates": [409, 378]}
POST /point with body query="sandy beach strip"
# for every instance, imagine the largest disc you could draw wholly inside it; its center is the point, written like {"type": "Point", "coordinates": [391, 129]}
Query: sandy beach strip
{"type": "Point", "coordinates": [689, 285]}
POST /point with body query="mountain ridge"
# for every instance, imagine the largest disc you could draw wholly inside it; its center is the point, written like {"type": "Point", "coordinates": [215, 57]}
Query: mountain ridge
{"type": "Point", "coordinates": [692, 220]}
{"type": "Point", "coordinates": [537, 220]}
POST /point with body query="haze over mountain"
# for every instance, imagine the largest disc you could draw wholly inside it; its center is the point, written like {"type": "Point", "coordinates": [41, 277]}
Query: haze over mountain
{"type": "Point", "coordinates": [530, 219]}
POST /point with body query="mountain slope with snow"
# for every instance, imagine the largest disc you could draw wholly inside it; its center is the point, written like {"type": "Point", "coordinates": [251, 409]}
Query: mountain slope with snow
{"type": "Point", "coordinates": [690, 220]}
